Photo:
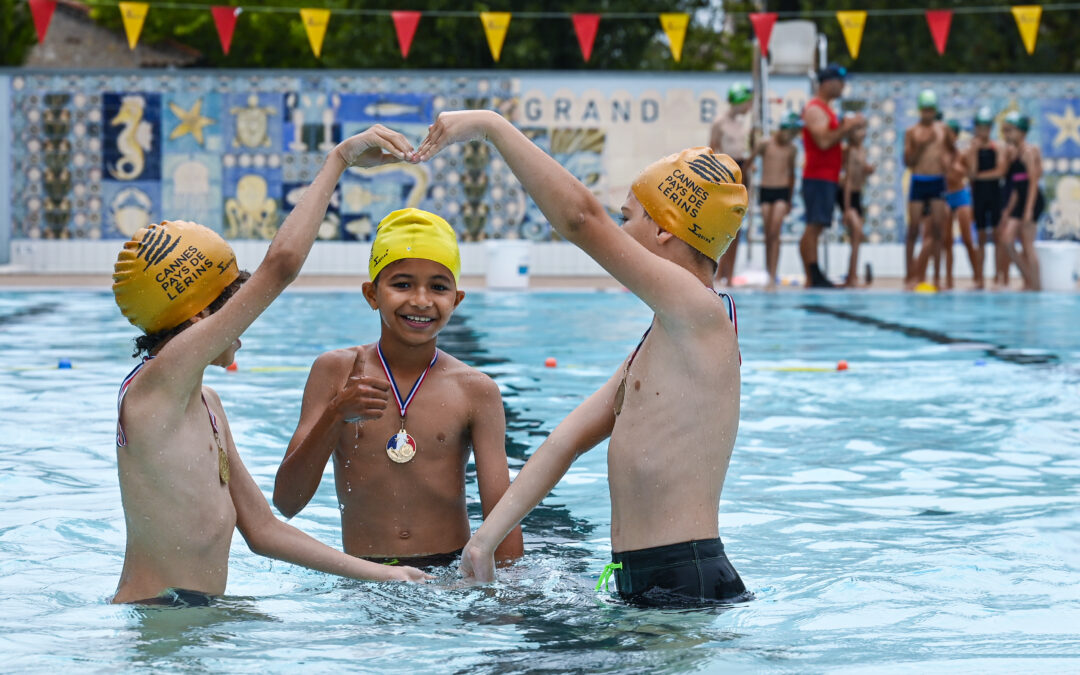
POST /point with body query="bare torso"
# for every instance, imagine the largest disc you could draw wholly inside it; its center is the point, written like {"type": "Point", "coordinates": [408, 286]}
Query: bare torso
{"type": "Point", "coordinates": [956, 170]}
{"type": "Point", "coordinates": [671, 445]}
{"type": "Point", "coordinates": [731, 136]}
{"type": "Point", "coordinates": [179, 515]}
{"type": "Point", "coordinates": [930, 159]}
{"type": "Point", "coordinates": [416, 508]}
{"type": "Point", "coordinates": [776, 164]}
{"type": "Point", "coordinates": [855, 168]}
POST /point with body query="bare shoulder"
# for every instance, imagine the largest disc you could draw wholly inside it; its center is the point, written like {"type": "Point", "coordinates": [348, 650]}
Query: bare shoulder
{"type": "Point", "coordinates": [337, 360]}
{"type": "Point", "coordinates": [475, 384]}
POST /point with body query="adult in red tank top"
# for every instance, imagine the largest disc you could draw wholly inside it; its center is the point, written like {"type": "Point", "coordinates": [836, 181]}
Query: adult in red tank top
{"type": "Point", "coordinates": [822, 133]}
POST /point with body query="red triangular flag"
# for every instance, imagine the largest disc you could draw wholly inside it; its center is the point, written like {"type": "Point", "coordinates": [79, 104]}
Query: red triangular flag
{"type": "Point", "coordinates": [225, 20]}
{"type": "Point", "coordinates": [939, 21]}
{"type": "Point", "coordinates": [763, 23]}
{"type": "Point", "coordinates": [405, 25]}
{"type": "Point", "coordinates": [42, 11]}
{"type": "Point", "coordinates": [585, 26]}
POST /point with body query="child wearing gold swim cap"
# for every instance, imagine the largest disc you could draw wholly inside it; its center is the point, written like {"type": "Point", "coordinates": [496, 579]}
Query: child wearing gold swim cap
{"type": "Point", "coordinates": [671, 409]}
{"type": "Point", "coordinates": [400, 416]}
{"type": "Point", "coordinates": [183, 485]}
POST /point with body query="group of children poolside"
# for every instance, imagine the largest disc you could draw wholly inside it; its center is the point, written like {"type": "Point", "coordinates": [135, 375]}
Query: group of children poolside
{"type": "Point", "coordinates": [400, 418]}
{"type": "Point", "coordinates": [994, 187]}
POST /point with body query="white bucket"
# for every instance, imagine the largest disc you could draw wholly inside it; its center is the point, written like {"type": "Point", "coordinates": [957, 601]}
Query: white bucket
{"type": "Point", "coordinates": [507, 263]}
{"type": "Point", "coordinates": [1058, 261]}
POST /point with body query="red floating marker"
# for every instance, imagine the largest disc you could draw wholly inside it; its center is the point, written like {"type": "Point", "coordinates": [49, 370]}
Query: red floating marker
{"type": "Point", "coordinates": [232, 367]}
{"type": "Point", "coordinates": [841, 365]}
{"type": "Point", "coordinates": [550, 362]}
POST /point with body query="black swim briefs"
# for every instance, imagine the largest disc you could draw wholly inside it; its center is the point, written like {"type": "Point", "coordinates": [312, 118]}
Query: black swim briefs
{"type": "Point", "coordinates": [768, 195]}
{"type": "Point", "coordinates": [690, 573]}
{"type": "Point", "coordinates": [433, 560]}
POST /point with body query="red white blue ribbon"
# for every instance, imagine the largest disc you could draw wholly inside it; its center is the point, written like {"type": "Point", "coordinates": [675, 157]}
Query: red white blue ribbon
{"type": "Point", "coordinates": [403, 405]}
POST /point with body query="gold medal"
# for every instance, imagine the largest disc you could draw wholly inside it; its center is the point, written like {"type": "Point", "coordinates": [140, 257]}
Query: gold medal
{"type": "Point", "coordinates": [620, 394]}
{"type": "Point", "coordinates": [222, 464]}
{"type": "Point", "coordinates": [401, 447]}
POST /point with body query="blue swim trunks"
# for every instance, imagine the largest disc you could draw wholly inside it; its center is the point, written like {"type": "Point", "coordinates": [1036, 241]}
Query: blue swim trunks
{"type": "Point", "coordinates": [926, 188]}
{"type": "Point", "coordinates": [959, 198]}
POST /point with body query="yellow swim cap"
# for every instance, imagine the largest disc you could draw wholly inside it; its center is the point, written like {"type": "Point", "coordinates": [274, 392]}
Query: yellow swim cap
{"type": "Point", "coordinates": [170, 272]}
{"type": "Point", "coordinates": [412, 233]}
{"type": "Point", "coordinates": [697, 195]}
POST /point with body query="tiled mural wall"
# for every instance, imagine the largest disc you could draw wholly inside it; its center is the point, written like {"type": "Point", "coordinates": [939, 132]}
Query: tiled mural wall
{"type": "Point", "coordinates": [99, 155]}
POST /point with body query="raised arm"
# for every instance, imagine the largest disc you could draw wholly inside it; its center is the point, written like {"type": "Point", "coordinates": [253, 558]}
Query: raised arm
{"type": "Point", "coordinates": [589, 423]}
{"type": "Point", "coordinates": [574, 212]}
{"type": "Point", "coordinates": [488, 431]}
{"type": "Point", "coordinates": [188, 354]}
{"type": "Point", "coordinates": [267, 536]}
{"type": "Point", "coordinates": [337, 390]}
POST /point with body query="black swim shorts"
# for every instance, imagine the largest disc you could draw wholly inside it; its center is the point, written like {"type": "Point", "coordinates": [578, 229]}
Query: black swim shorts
{"type": "Point", "coordinates": [691, 573]}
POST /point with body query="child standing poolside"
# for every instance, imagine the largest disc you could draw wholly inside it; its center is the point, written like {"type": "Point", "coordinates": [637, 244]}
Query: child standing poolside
{"type": "Point", "coordinates": [777, 182]}
{"type": "Point", "coordinates": [672, 409]}
{"type": "Point", "coordinates": [849, 196]}
{"type": "Point", "coordinates": [733, 135]}
{"type": "Point", "coordinates": [987, 163]}
{"type": "Point", "coordinates": [958, 198]}
{"type": "Point", "coordinates": [1024, 201]}
{"type": "Point", "coordinates": [400, 469]}
{"type": "Point", "coordinates": [182, 483]}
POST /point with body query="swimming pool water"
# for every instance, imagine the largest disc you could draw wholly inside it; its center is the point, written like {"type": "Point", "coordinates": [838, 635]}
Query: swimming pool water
{"type": "Point", "coordinates": [918, 512]}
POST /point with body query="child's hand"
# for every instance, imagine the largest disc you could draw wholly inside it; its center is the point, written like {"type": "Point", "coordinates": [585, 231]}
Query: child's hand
{"type": "Point", "coordinates": [408, 574]}
{"type": "Point", "coordinates": [477, 564]}
{"type": "Point", "coordinates": [378, 145]}
{"type": "Point", "coordinates": [453, 127]}
{"type": "Point", "coordinates": [363, 397]}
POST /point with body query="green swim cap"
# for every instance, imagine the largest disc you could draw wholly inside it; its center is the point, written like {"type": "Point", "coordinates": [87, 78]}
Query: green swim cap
{"type": "Point", "coordinates": [984, 116]}
{"type": "Point", "coordinates": [927, 99]}
{"type": "Point", "coordinates": [954, 125]}
{"type": "Point", "coordinates": [739, 93]}
{"type": "Point", "coordinates": [791, 120]}
{"type": "Point", "coordinates": [1018, 120]}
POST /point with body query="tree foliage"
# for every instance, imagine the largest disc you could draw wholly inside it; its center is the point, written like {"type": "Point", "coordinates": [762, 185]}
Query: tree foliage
{"type": "Point", "coordinates": [16, 32]}
{"type": "Point", "coordinates": [982, 42]}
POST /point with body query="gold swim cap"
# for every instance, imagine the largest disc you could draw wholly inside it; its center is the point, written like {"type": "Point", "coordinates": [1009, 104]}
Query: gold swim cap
{"type": "Point", "coordinates": [170, 272]}
{"type": "Point", "coordinates": [697, 195]}
{"type": "Point", "coordinates": [412, 233]}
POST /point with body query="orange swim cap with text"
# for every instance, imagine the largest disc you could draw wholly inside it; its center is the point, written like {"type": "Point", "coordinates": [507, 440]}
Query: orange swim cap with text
{"type": "Point", "coordinates": [697, 195]}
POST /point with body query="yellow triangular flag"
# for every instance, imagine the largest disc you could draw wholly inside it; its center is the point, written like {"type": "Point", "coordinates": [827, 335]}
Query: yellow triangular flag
{"type": "Point", "coordinates": [315, 23]}
{"type": "Point", "coordinates": [852, 23]}
{"type": "Point", "coordinates": [133, 14]}
{"type": "Point", "coordinates": [495, 26]}
{"type": "Point", "coordinates": [1027, 20]}
{"type": "Point", "coordinates": [674, 26]}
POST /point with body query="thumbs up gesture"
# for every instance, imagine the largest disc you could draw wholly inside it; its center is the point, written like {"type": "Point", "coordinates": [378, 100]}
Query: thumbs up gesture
{"type": "Point", "coordinates": [362, 397]}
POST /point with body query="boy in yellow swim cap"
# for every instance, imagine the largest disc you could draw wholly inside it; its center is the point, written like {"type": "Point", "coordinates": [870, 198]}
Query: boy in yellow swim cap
{"type": "Point", "coordinates": [182, 483]}
{"type": "Point", "coordinates": [400, 416]}
{"type": "Point", "coordinates": [672, 409]}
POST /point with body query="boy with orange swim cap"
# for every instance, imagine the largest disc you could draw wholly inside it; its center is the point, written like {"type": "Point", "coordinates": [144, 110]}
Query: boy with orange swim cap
{"type": "Point", "coordinates": [400, 417]}
{"type": "Point", "coordinates": [182, 483]}
{"type": "Point", "coordinates": [672, 409]}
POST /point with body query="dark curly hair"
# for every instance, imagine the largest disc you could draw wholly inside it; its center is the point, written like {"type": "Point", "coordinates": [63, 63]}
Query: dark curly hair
{"type": "Point", "coordinates": [147, 344]}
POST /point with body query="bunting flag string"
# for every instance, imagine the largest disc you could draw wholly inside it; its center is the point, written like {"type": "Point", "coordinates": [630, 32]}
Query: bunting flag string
{"type": "Point", "coordinates": [939, 21]}
{"type": "Point", "coordinates": [315, 23]}
{"type": "Point", "coordinates": [133, 14]}
{"type": "Point", "coordinates": [852, 24]}
{"type": "Point", "coordinates": [674, 26]}
{"type": "Point", "coordinates": [405, 24]}
{"type": "Point", "coordinates": [225, 22]}
{"type": "Point", "coordinates": [495, 26]}
{"type": "Point", "coordinates": [1027, 21]}
{"type": "Point", "coordinates": [42, 11]}
{"type": "Point", "coordinates": [763, 23]}
{"type": "Point", "coordinates": [585, 26]}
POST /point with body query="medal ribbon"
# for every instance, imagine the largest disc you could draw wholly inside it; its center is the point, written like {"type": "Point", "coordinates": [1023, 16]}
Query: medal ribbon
{"type": "Point", "coordinates": [403, 406]}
